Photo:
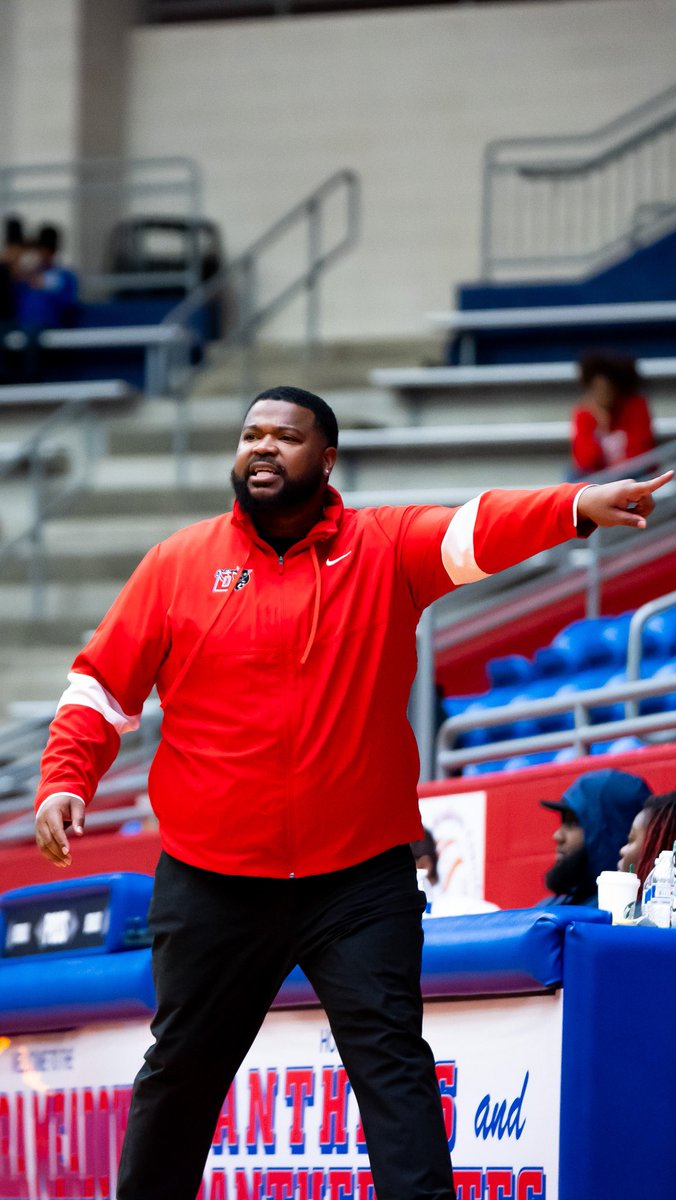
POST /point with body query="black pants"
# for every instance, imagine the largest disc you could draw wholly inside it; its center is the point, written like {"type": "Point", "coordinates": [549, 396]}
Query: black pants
{"type": "Point", "coordinates": [222, 947]}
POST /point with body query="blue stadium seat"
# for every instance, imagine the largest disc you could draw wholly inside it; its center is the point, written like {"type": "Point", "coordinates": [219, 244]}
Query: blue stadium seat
{"type": "Point", "coordinates": [618, 746]}
{"type": "Point", "coordinates": [660, 634]}
{"type": "Point", "coordinates": [511, 670]}
{"type": "Point", "coordinates": [578, 647]}
{"type": "Point", "coordinates": [484, 768]}
{"type": "Point", "coordinates": [519, 761]}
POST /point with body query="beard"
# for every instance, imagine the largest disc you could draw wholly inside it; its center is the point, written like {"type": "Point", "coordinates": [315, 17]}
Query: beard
{"type": "Point", "coordinates": [570, 875]}
{"type": "Point", "coordinates": [291, 493]}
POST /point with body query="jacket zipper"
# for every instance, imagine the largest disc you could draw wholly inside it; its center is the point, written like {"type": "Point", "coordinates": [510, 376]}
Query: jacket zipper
{"type": "Point", "coordinates": [287, 738]}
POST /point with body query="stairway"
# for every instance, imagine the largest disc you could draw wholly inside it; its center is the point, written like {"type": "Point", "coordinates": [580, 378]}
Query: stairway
{"type": "Point", "coordinates": [136, 501]}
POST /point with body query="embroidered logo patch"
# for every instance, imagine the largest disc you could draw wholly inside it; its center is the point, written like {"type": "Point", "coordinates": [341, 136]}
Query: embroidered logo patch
{"type": "Point", "coordinates": [224, 576]}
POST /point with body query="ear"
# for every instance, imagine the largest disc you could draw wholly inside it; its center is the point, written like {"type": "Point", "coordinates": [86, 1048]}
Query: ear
{"type": "Point", "coordinates": [329, 459]}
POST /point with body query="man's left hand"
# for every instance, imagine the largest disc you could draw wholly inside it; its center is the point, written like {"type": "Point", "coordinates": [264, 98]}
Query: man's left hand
{"type": "Point", "coordinates": [625, 502]}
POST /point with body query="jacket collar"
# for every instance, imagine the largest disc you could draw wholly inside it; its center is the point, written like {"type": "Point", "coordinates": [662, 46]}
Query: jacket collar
{"type": "Point", "coordinates": [326, 527]}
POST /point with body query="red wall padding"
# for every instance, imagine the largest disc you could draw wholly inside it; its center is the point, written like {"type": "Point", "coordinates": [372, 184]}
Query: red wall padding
{"type": "Point", "coordinates": [519, 847]}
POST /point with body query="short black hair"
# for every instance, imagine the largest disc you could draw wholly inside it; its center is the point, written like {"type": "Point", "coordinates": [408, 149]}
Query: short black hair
{"type": "Point", "coordinates": [619, 369]}
{"type": "Point", "coordinates": [13, 231]}
{"type": "Point", "coordinates": [49, 238]}
{"type": "Point", "coordinates": [324, 414]}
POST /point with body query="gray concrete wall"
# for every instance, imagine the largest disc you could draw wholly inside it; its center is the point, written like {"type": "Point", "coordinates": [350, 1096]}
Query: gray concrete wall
{"type": "Point", "coordinates": [409, 99]}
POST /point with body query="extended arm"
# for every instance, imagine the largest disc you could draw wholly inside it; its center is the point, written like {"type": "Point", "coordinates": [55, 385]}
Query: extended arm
{"type": "Point", "coordinates": [501, 528]}
{"type": "Point", "coordinates": [109, 681]}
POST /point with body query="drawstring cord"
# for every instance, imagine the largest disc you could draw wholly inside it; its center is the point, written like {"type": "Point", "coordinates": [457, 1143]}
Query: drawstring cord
{"type": "Point", "coordinates": [315, 614]}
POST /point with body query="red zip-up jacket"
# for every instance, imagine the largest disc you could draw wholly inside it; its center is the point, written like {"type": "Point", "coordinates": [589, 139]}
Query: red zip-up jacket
{"type": "Point", "coordinates": [285, 746]}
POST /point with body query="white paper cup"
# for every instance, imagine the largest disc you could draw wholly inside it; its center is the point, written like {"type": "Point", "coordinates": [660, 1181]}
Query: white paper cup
{"type": "Point", "coordinates": [617, 889]}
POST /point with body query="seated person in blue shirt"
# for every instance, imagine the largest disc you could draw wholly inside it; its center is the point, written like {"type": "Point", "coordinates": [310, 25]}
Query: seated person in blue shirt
{"type": "Point", "coordinates": [47, 297]}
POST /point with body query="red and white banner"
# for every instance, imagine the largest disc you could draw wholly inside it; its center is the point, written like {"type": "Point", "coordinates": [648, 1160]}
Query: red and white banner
{"type": "Point", "coordinates": [290, 1129]}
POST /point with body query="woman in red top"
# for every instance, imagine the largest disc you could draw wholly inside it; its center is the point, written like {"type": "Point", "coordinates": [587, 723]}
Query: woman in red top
{"type": "Point", "coordinates": [612, 424]}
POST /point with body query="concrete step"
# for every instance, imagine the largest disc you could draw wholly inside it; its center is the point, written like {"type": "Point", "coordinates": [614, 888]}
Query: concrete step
{"type": "Point", "coordinates": [137, 497]}
{"type": "Point", "coordinates": [35, 671]}
{"type": "Point", "coordinates": [79, 606]}
{"type": "Point", "coordinates": [338, 364]}
{"type": "Point", "coordinates": [214, 422]}
{"type": "Point", "coordinates": [147, 483]}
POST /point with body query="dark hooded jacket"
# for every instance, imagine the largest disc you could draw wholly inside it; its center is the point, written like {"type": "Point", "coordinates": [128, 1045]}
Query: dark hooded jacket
{"type": "Point", "coordinates": [605, 803]}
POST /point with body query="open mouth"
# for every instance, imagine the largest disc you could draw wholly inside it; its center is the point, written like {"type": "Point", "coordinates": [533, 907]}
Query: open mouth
{"type": "Point", "coordinates": [263, 472]}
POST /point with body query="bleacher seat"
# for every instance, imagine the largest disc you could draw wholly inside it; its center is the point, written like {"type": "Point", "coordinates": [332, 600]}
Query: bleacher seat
{"type": "Point", "coordinates": [584, 656]}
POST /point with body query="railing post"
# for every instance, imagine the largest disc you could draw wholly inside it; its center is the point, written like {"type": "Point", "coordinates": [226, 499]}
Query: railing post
{"type": "Point", "coordinates": [314, 248]}
{"type": "Point", "coordinates": [37, 547]}
{"type": "Point", "coordinates": [249, 332]}
{"type": "Point", "coordinates": [593, 586]}
{"type": "Point", "coordinates": [486, 217]}
{"type": "Point", "coordinates": [422, 704]}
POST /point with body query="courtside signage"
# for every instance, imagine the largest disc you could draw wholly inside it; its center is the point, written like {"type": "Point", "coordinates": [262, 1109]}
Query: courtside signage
{"type": "Point", "coordinates": [290, 1127]}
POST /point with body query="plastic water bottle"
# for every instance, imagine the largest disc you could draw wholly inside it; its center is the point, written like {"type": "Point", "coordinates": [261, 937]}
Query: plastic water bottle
{"type": "Point", "coordinates": [657, 890]}
{"type": "Point", "coordinates": [425, 886]}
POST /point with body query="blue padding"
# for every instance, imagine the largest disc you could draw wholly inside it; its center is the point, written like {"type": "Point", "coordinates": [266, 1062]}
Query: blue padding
{"type": "Point", "coordinates": [618, 1064]}
{"type": "Point", "coordinates": [128, 896]}
{"type": "Point", "coordinates": [647, 274]}
{"type": "Point", "coordinates": [500, 953]}
{"type": "Point", "coordinates": [38, 994]}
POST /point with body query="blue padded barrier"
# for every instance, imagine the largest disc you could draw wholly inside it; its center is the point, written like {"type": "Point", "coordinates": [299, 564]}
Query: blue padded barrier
{"type": "Point", "coordinates": [515, 951]}
{"type": "Point", "coordinates": [499, 953]}
{"type": "Point", "coordinates": [124, 895]}
{"type": "Point", "coordinates": [618, 1064]}
{"type": "Point", "coordinates": [59, 993]}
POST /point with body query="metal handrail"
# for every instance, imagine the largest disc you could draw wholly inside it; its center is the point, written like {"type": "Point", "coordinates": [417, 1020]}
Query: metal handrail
{"type": "Point", "coordinates": [244, 271]}
{"type": "Point", "coordinates": [580, 737]}
{"type": "Point", "coordinates": [173, 175]}
{"type": "Point", "coordinates": [75, 412]}
{"type": "Point", "coordinates": [635, 643]}
{"type": "Point", "coordinates": [531, 220]}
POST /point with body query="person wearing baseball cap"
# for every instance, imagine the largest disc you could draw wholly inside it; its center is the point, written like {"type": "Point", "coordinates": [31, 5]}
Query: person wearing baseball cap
{"type": "Point", "coordinates": [597, 810]}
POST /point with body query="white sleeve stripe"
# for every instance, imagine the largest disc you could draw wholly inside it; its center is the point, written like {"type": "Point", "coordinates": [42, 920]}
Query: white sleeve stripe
{"type": "Point", "coordinates": [88, 692]}
{"type": "Point", "coordinates": [53, 796]}
{"type": "Point", "coordinates": [457, 547]}
{"type": "Point", "coordinates": [576, 501]}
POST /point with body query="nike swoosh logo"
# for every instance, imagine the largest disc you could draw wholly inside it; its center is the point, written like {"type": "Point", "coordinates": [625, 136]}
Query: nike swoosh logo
{"type": "Point", "coordinates": [331, 562]}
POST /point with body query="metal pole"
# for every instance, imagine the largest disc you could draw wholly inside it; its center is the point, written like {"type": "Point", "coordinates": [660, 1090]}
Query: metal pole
{"type": "Point", "coordinates": [422, 706]}
{"type": "Point", "coordinates": [37, 555]}
{"type": "Point", "coordinates": [314, 252]}
{"type": "Point", "coordinates": [593, 589]}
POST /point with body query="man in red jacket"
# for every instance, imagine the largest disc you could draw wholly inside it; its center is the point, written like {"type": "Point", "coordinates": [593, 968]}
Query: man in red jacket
{"type": "Point", "coordinates": [281, 639]}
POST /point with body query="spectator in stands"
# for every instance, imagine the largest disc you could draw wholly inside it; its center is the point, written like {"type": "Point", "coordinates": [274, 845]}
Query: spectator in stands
{"type": "Point", "coordinates": [10, 255]}
{"type": "Point", "coordinates": [281, 637]}
{"type": "Point", "coordinates": [612, 422]}
{"type": "Point", "coordinates": [653, 829]}
{"type": "Point", "coordinates": [10, 258]}
{"type": "Point", "coordinates": [596, 811]}
{"type": "Point", "coordinates": [48, 291]}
